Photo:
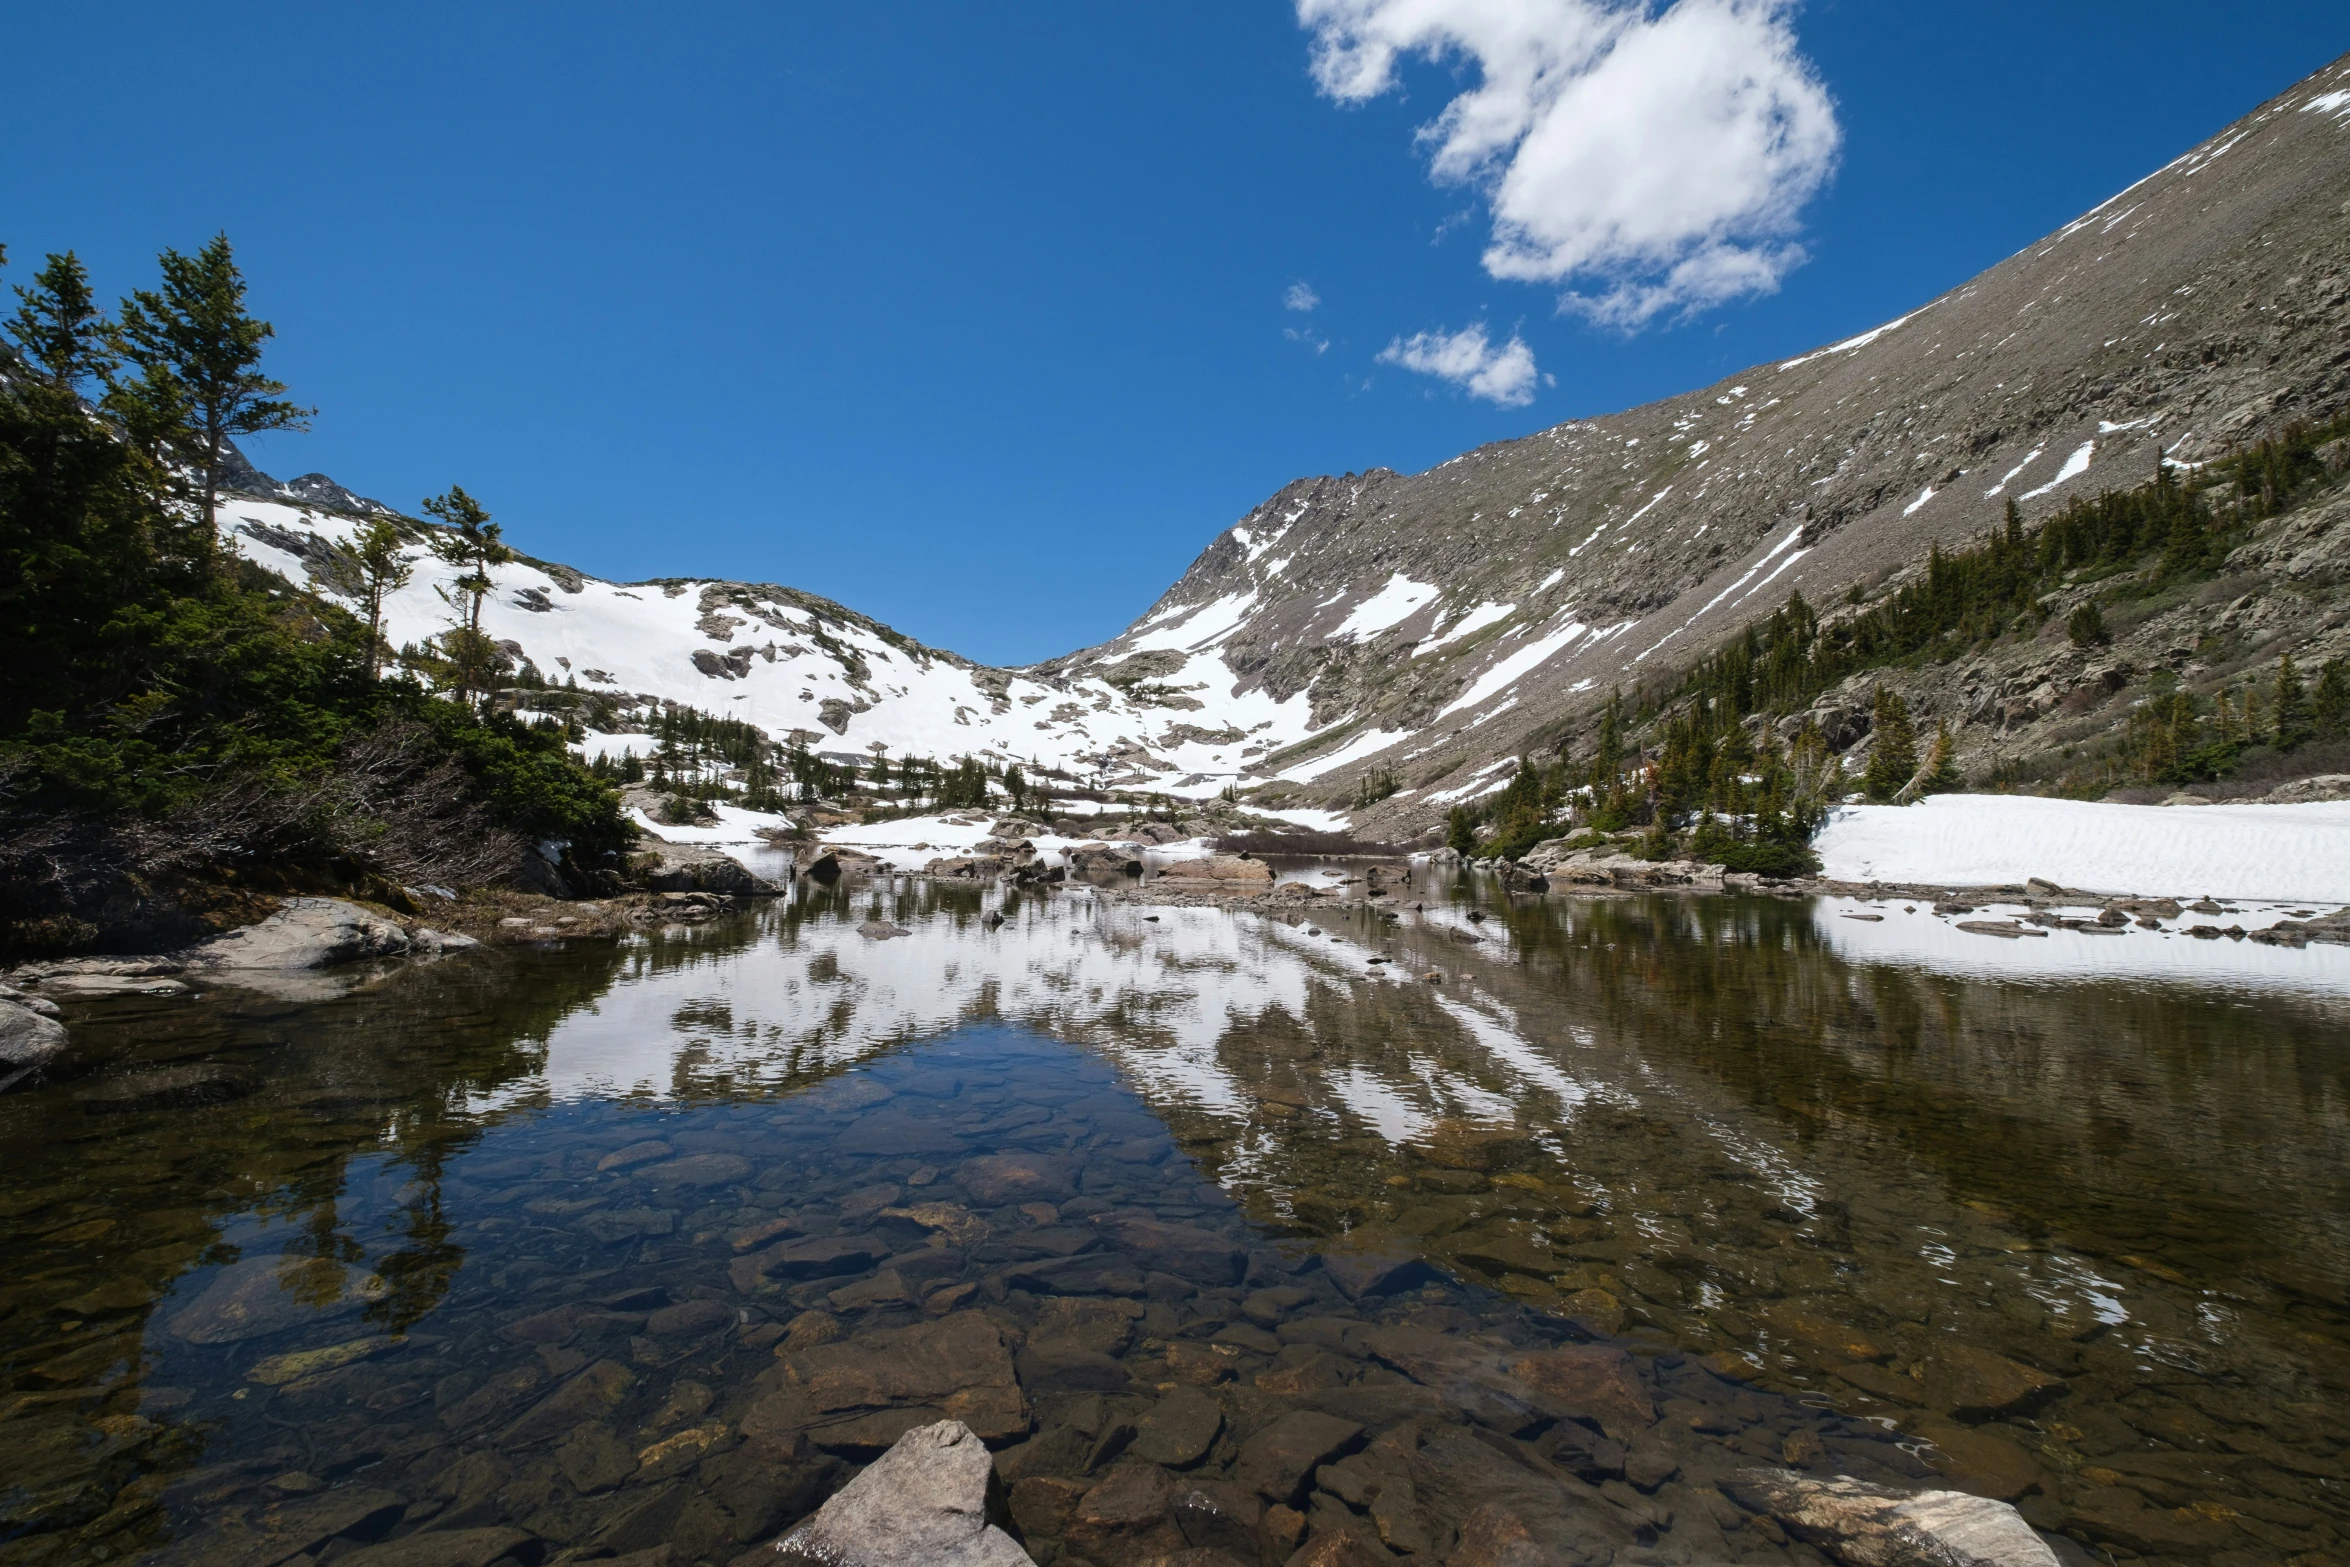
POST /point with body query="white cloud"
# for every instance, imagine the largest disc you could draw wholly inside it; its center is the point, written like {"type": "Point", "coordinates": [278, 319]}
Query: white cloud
{"type": "Point", "coordinates": [1468, 359]}
{"type": "Point", "coordinates": [1301, 296]}
{"type": "Point", "coordinates": [1659, 160]}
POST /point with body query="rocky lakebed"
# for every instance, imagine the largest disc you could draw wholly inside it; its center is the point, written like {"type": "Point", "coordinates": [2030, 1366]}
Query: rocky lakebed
{"type": "Point", "coordinates": [903, 1220]}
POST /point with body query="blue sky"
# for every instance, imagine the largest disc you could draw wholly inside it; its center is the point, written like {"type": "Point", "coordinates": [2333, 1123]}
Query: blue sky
{"type": "Point", "coordinates": [978, 318]}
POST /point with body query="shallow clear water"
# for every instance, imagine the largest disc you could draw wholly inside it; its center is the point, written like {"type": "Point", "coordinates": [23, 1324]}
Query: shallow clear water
{"type": "Point", "coordinates": [1853, 1198]}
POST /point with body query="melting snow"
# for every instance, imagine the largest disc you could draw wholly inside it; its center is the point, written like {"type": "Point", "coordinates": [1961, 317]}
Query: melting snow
{"type": "Point", "coordinates": [2074, 466]}
{"type": "Point", "coordinates": [1391, 605]}
{"type": "Point", "coordinates": [1474, 621]}
{"type": "Point", "coordinates": [1522, 662]}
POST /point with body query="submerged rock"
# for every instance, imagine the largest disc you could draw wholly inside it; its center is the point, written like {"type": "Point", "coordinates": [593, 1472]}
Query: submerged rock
{"type": "Point", "coordinates": [269, 1294]}
{"type": "Point", "coordinates": [927, 1502]}
{"type": "Point", "coordinates": [1873, 1526]}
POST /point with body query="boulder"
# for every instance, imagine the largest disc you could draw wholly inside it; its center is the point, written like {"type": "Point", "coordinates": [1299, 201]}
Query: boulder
{"type": "Point", "coordinates": [306, 933]}
{"type": "Point", "coordinates": [1873, 1526]}
{"type": "Point", "coordinates": [1233, 869]}
{"type": "Point", "coordinates": [679, 867]}
{"type": "Point", "coordinates": [930, 1501]}
{"type": "Point", "coordinates": [1105, 859]}
{"type": "Point", "coordinates": [27, 1040]}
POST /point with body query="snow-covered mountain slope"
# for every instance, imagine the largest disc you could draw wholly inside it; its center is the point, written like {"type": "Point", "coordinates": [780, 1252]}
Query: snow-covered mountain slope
{"type": "Point", "coordinates": [1434, 625]}
{"type": "Point", "coordinates": [796, 665]}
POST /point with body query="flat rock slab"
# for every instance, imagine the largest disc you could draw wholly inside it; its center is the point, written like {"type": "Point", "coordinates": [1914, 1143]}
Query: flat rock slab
{"type": "Point", "coordinates": [865, 1392]}
{"type": "Point", "coordinates": [306, 933]}
{"type": "Point", "coordinates": [1873, 1526]}
{"type": "Point", "coordinates": [927, 1502]}
{"type": "Point", "coordinates": [263, 1295]}
{"type": "Point", "coordinates": [1275, 1462]}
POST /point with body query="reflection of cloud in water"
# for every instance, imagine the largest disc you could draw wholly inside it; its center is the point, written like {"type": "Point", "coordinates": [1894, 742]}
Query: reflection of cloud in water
{"type": "Point", "coordinates": [1924, 940]}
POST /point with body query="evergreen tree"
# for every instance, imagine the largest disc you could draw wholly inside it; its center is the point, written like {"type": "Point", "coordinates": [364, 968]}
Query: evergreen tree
{"type": "Point", "coordinates": [198, 352]}
{"type": "Point", "coordinates": [2329, 709]}
{"type": "Point", "coordinates": [375, 570]}
{"type": "Point", "coordinates": [77, 517]}
{"type": "Point", "coordinates": [2291, 723]}
{"type": "Point", "coordinates": [473, 544]}
{"type": "Point", "coordinates": [1942, 774]}
{"type": "Point", "coordinates": [1893, 752]}
{"type": "Point", "coordinates": [1460, 830]}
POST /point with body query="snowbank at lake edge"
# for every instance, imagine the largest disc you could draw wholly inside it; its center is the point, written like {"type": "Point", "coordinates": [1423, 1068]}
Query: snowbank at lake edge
{"type": "Point", "coordinates": [2295, 852]}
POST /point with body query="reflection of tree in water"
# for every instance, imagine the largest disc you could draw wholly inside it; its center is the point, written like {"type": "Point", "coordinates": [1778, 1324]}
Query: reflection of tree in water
{"type": "Point", "coordinates": [389, 1074]}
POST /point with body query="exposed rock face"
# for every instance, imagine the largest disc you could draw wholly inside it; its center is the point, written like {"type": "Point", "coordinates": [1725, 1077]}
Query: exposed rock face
{"type": "Point", "coordinates": [1873, 1526]}
{"type": "Point", "coordinates": [307, 933]}
{"type": "Point", "coordinates": [927, 1502]}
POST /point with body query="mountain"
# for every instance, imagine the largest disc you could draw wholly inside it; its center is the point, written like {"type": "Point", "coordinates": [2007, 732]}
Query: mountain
{"type": "Point", "coordinates": [1433, 626]}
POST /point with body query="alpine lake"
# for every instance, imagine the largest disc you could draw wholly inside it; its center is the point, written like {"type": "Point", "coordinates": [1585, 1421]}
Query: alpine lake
{"type": "Point", "coordinates": [1223, 1227]}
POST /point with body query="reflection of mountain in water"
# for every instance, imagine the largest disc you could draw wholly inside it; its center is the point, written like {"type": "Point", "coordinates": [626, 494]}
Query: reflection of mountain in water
{"type": "Point", "coordinates": [1695, 1122]}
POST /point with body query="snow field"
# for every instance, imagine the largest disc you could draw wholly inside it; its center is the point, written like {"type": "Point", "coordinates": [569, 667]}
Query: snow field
{"type": "Point", "coordinates": [2291, 852]}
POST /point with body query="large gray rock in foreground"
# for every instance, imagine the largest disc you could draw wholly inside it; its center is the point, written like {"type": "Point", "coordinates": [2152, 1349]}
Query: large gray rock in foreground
{"type": "Point", "coordinates": [1871, 1526]}
{"type": "Point", "coordinates": [924, 1503]}
{"type": "Point", "coordinates": [307, 933]}
{"type": "Point", "coordinates": [27, 1040]}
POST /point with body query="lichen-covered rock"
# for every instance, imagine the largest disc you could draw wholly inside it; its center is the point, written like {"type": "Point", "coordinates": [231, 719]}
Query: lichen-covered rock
{"type": "Point", "coordinates": [929, 1501]}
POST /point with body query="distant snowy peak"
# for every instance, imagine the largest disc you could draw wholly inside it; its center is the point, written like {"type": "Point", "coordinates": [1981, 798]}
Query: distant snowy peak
{"type": "Point", "coordinates": [311, 489]}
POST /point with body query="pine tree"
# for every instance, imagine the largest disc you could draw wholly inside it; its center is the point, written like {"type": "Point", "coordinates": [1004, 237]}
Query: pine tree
{"type": "Point", "coordinates": [375, 570]}
{"type": "Point", "coordinates": [473, 544]}
{"type": "Point", "coordinates": [198, 353]}
{"type": "Point", "coordinates": [1942, 774]}
{"type": "Point", "coordinates": [2291, 724]}
{"type": "Point", "coordinates": [1460, 830]}
{"type": "Point", "coordinates": [77, 517]}
{"type": "Point", "coordinates": [1893, 752]}
{"type": "Point", "coordinates": [2330, 707]}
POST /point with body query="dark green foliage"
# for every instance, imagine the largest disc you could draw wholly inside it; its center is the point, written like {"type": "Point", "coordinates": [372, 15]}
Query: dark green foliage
{"type": "Point", "coordinates": [2289, 703]}
{"type": "Point", "coordinates": [963, 786]}
{"type": "Point", "coordinates": [473, 544]}
{"type": "Point", "coordinates": [1893, 748]}
{"type": "Point", "coordinates": [1375, 787]}
{"type": "Point", "coordinates": [2086, 626]}
{"type": "Point", "coordinates": [1780, 664]}
{"type": "Point", "coordinates": [1460, 830]}
{"type": "Point", "coordinates": [1942, 774]}
{"type": "Point", "coordinates": [198, 354]}
{"type": "Point", "coordinates": [2329, 706]}
{"type": "Point", "coordinates": [151, 682]}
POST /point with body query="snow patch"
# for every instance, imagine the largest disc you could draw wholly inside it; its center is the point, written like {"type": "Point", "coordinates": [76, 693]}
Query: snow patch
{"type": "Point", "coordinates": [1391, 605]}
{"type": "Point", "coordinates": [2074, 466]}
{"type": "Point", "coordinates": [2227, 851]}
